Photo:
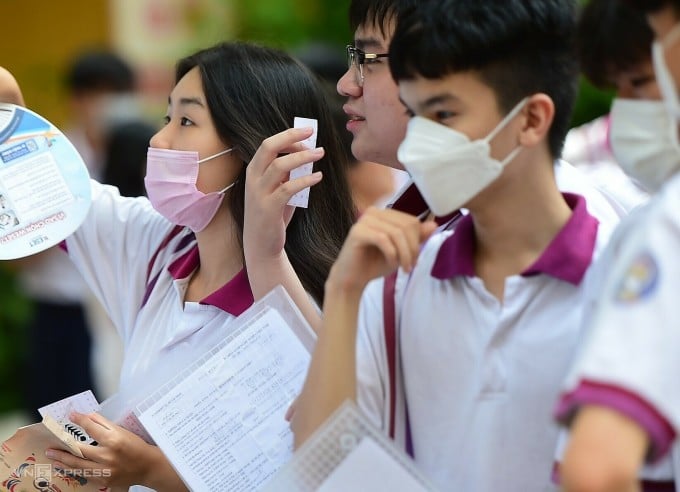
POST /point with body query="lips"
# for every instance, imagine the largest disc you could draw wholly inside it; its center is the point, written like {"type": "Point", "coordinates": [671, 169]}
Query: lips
{"type": "Point", "coordinates": [352, 115]}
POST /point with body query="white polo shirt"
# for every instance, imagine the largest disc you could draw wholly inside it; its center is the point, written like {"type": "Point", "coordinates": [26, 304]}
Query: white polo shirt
{"type": "Point", "coordinates": [631, 359]}
{"type": "Point", "coordinates": [138, 264]}
{"type": "Point", "coordinates": [481, 376]}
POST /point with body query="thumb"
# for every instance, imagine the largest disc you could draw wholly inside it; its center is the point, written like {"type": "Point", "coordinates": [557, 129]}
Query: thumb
{"type": "Point", "coordinates": [427, 229]}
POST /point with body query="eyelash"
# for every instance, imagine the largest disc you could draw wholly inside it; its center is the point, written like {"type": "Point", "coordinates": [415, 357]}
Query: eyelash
{"type": "Point", "coordinates": [184, 121]}
{"type": "Point", "coordinates": [444, 115]}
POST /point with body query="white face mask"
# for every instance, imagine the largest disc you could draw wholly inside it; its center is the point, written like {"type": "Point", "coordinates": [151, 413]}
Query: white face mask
{"type": "Point", "coordinates": [448, 168]}
{"type": "Point", "coordinates": [664, 78]}
{"type": "Point", "coordinates": [644, 140]}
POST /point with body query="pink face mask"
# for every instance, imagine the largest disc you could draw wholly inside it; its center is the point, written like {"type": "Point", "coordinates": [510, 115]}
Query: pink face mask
{"type": "Point", "coordinates": [171, 187]}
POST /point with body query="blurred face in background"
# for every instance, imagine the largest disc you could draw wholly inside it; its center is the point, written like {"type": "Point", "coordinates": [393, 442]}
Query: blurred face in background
{"type": "Point", "coordinates": [666, 26]}
{"type": "Point", "coordinates": [637, 82]}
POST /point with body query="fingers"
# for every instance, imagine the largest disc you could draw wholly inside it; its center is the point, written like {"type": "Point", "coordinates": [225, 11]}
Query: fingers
{"type": "Point", "coordinates": [286, 190]}
{"type": "Point", "coordinates": [279, 169]}
{"type": "Point", "coordinates": [64, 459]}
{"type": "Point", "coordinates": [427, 229]}
{"type": "Point", "coordinates": [94, 424]}
{"type": "Point", "coordinates": [278, 144]}
{"type": "Point", "coordinates": [398, 236]}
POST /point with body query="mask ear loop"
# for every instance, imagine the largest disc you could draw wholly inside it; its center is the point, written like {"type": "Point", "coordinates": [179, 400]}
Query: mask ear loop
{"type": "Point", "coordinates": [515, 111]}
{"type": "Point", "coordinates": [226, 151]}
{"type": "Point", "coordinates": [222, 191]}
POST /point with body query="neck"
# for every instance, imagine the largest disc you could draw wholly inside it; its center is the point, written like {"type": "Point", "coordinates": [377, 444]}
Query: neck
{"type": "Point", "coordinates": [221, 256]}
{"type": "Point", "coordinates": [517, 217]}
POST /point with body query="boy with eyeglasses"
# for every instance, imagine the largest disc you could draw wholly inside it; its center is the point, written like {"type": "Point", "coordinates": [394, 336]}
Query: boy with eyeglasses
{"type": "Point", "coordinates": [488, 321]}
{"type": "Point", "coordinates": [377, 119]}
{"type": "Point", "coordinates": [621, 399]}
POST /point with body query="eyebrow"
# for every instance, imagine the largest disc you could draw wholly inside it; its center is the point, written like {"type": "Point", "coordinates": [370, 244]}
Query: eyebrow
{"type": "Point", "coordinates": [368, 43]}
{"type": "Point", "coordinates": [437, 99]}
{"type": "Point", "coordinates": [184, 101]}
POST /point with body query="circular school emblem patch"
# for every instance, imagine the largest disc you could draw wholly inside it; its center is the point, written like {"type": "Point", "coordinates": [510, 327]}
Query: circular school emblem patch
{"type": "Point", "coordinates": [640, 279]}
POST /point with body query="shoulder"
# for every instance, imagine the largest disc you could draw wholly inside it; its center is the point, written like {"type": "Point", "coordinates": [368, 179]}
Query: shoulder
{"type": "Point", "coordinates": [605, 208]}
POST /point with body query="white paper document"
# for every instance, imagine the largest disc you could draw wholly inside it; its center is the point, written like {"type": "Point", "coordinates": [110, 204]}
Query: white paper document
{"type": "Point", "coordinates": [348, 453]}
{"type": "Point", "coordinates": [221, 422]}
{"type": "Point", "coordinates": [370, 467]}
{"type": "Point", "coordinates": [301, 199]}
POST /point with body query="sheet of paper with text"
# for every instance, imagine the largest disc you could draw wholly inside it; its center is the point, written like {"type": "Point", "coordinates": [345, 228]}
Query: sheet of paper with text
{"type": "Point", "coordinates": [221, 422]}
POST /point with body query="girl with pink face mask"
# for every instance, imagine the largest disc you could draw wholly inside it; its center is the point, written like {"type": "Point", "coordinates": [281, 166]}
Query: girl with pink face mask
{"type": "Point", "coordinates": [216, 232]}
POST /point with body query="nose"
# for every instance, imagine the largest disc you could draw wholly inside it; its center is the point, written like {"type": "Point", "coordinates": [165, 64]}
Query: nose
{"type": "Point", "coordinates": [347, 85]}
{"type": "Point", "coordinates": [161, 139]}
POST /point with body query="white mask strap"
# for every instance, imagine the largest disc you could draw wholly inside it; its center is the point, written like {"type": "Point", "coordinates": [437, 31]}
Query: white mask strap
{"type": "Point", "coordinates": [515, 111]}
{"type": "Point", "coordinates": [226, 151]}
{"type": "Point", "coordinates": [511, 155]}
{"type": "Point", "coordinates": [225, 189]}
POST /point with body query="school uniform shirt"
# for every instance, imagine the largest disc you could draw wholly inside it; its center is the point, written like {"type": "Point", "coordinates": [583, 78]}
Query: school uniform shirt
{"type": "Point", "coordinates": [138, 264]}
{"type": "Point", "coordinates": [631, 359]}
{"type": "Point", "coordinates": [480, 376]}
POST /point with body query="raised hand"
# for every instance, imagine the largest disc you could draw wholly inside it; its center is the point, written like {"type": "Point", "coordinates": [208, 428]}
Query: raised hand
{"type": "Point", "coordinates": [268, 190]}
{"type": "Point", "coordinates": [379, 243]}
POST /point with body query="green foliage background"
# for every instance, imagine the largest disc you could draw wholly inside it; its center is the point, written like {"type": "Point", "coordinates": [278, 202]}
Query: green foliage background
{"type": "Point", "coordinates": [288, 23]}
{"type": "Point", "coordinates": [15, 311]}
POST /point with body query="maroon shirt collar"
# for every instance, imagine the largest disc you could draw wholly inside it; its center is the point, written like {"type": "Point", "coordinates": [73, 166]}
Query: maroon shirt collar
{"type": "Point", "coordinates": [567, 257]}
{"type": "Point", "coordinates": [233, 297]}
{"type": "Point", "coordinates": [410, 201]}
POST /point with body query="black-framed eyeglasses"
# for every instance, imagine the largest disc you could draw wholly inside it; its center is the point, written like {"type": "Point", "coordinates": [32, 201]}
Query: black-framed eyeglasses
{"type": "Point", "coordinates": [356, 58]}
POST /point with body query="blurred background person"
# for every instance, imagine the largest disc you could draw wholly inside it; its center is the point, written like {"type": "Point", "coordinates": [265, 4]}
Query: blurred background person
{"type": "Point", "coordinates": [100, 87]}
{"type": "Point", "coordinates": [613, 47]}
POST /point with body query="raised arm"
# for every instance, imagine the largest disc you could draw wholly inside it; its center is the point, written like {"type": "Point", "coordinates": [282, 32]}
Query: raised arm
{"type": "Point", "coordinates": [380, 242]}
{"type": "Point", "coordinates": [267, 215]}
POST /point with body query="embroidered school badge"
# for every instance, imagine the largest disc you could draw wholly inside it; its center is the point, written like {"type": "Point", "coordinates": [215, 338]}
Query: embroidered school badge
{"type": "Point", "coordinates": [640, 279]}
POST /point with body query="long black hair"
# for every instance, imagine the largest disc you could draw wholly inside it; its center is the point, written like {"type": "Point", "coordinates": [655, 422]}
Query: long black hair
{"type": "Point", "coordinates": [254, 92]}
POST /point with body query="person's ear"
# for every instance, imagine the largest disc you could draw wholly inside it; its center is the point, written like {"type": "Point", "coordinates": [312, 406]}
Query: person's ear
{"type": "Point", "coordinates": [539, 113]}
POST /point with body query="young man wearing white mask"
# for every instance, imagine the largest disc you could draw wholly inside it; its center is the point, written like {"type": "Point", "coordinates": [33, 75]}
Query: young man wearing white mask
{"type": "Point", "coordinates": [621, 398]}
{"type": "Point", "coordinates": [613, 42]}
{"type": "Point", "coordinates": [489, 320]}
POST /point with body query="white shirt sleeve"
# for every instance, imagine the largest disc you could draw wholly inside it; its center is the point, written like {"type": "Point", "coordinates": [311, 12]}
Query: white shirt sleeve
{"type": "Point", "coordinates": [371, 356]}
{"type": "Point", "coordinates": [630, 359]}
{"type": "Point", "coordinates": [112, 250]}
